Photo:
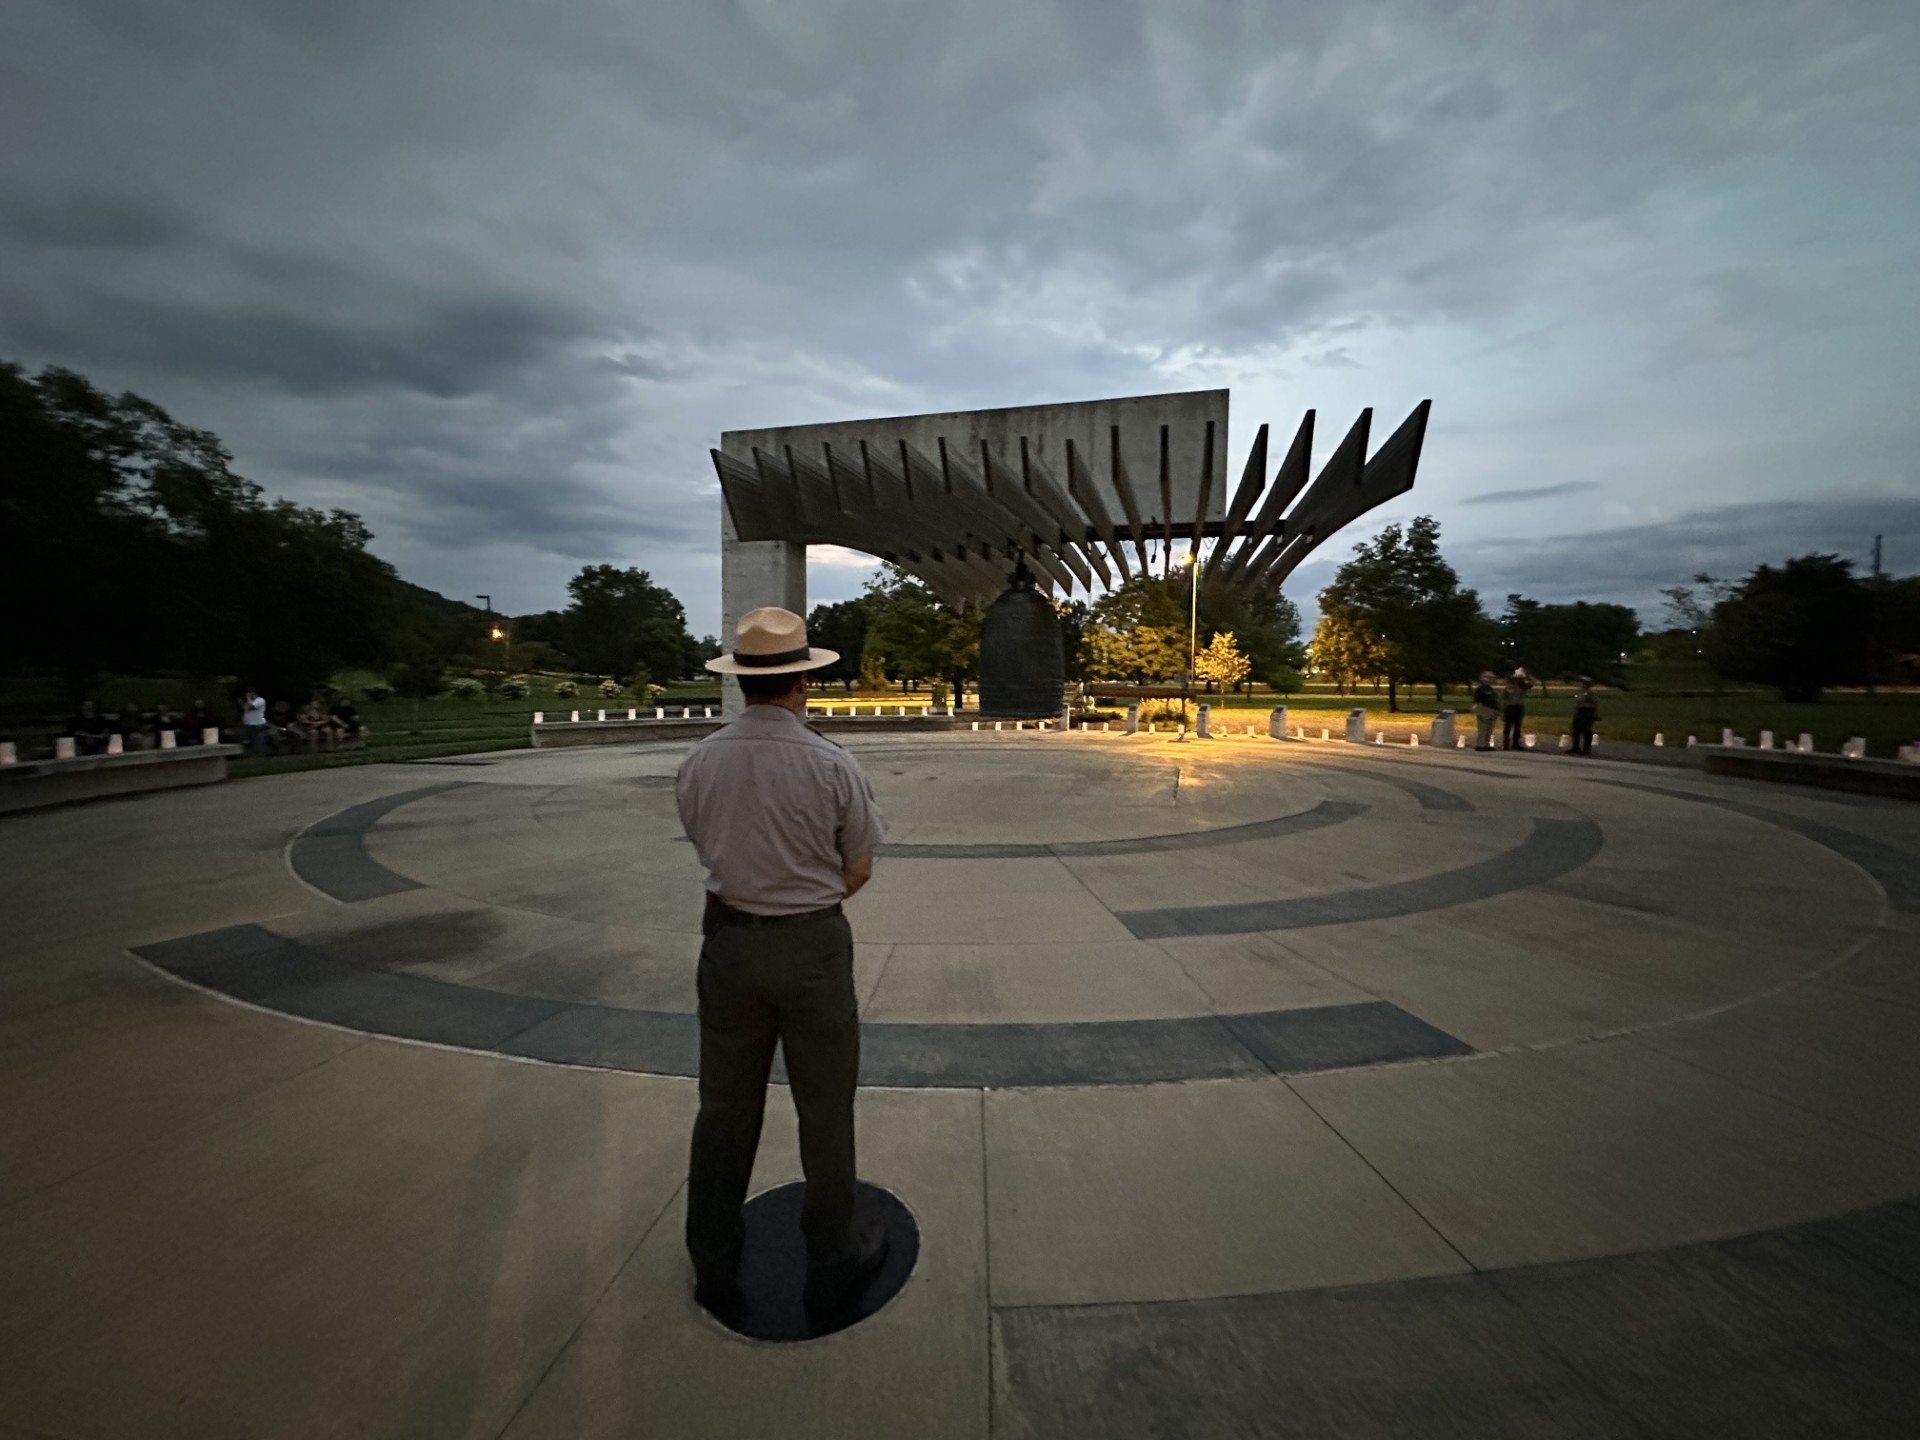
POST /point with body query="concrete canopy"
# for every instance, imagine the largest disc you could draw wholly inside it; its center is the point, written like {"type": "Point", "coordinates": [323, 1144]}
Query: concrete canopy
{"type": "Point", "coordinates": [954, 498]}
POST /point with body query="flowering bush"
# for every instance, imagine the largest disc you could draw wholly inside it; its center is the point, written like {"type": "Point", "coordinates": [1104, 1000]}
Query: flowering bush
{"type": "Point", "coordinates": [565, 689]}
{"type": "Point", "coordinates": [466, 688]}
{"type": "Point", "coordinates": [612, 689]}
{"type": "Point", "coordinates": [516, 687]}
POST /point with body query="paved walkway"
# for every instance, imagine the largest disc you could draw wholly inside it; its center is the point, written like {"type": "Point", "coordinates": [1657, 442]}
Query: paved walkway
{"type": "Point", "coordinates": [1237, 1088]}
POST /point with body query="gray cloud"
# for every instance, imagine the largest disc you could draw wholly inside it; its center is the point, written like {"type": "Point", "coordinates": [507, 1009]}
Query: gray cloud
{"type": "Point", "coordinates": [1535, 492]}
{"type": "Point", "coordinates": [496, 275]}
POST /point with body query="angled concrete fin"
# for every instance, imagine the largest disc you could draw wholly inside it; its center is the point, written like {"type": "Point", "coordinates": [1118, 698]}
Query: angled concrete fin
{"type": "Point", "coordinates": [1252, 480]}
{"type": "Point", "coordinates": [1080, 487]}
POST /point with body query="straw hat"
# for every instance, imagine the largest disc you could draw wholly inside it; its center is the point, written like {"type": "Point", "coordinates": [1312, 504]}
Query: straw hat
{"type": "Point", "coordinates": [771, 641]}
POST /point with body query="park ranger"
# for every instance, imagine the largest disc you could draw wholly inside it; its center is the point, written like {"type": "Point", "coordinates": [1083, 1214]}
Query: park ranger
{"type": "Point", "coordinates": [786, 825]}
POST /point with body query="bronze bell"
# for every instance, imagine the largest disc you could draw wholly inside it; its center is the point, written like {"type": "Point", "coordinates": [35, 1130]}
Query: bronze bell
{"type": "Point", "coordinates": [1022, 668]}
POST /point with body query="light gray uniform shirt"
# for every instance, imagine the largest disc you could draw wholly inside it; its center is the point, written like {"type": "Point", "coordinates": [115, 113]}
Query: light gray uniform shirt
{"type": "Point", "coordinates": [776, 812]}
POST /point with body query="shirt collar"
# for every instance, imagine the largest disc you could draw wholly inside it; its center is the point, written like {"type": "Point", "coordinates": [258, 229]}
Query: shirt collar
{"type": "Point", "coordinates": [769, 715]}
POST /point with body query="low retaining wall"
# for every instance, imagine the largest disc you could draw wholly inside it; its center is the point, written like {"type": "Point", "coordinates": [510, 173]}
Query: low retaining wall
{"type": "Point", "coordinates": [1894, 779]}
{"type": "Point", "coordinates": [34, 784]}
{"type": "Point", "coordinates": [556, 733]}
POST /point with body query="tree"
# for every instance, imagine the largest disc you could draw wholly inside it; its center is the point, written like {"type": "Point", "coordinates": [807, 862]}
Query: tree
{"type": "Point", "coordinates": [841, 628]}
{"type": "Point", "coordinates": [1399, 589]}
{"type": "Point", "coordinates": [621, 624]}
{"type": "Point", "coordinates": [1801, 628]}
{"type": "Point", "coordinates": [137, 547]}
{"type": "Point", "coordinates": [1265, 625]}
{"type": "Point", "coordinates": [920, 634]}
{"type": "Point", "coordinates": [1564, 642]}
{"type": "Point", "coordinates": [1073, 615]}
{"type": "Point", "coordinates": [1221, 663]}
{"type": "Point", "coordinates": [1137, 632]}
{"type": "Point", "coordinates": [1345, 649]}
{"type": "Point", "coordinates": [873, 671]}
{"type": "Point", "coordinates": [1896, 630]}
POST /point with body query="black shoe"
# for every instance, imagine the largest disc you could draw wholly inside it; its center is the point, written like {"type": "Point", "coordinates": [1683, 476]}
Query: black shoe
{"type": "Point", "coordinates": [837, 1286]}
{"type": "Point", "coordinates": [717, 1291]}
{"type": "Point", "coordinates": [721, 1297]}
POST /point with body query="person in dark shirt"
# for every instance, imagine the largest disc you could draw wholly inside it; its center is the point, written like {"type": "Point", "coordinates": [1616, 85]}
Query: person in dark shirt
{"type": "Point", "coordinates": [89, 730]}
{"type": "Point", "coordinates": [1586, 712]}
{"type": "Point", "coordinates": [1486, 711]}
{"type": "Point", "coordinates": [197, 721]}
{"type": "Point", "coordinates": [1513, 709]}
{"type": "Point", "coordinates": [346, 722]}
{"type": "Point", "coordinates": [280, 732]}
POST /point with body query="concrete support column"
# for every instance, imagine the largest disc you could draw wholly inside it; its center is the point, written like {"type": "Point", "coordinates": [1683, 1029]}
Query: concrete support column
{"type": "Point", "coordinates": [755, 573]}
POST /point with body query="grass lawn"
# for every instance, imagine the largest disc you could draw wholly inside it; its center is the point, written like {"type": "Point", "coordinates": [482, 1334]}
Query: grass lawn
{"type": "Point", "coordinates": [429, 729]}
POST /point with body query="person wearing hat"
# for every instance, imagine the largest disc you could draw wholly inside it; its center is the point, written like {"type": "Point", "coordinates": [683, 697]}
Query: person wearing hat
{"type": "Point", "coordinates": [1513, 708]}
{"type": "Point", "coordinates": [786, 825]}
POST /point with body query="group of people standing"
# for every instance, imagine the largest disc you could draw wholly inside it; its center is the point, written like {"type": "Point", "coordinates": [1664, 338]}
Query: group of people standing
{"type": "Point", "coordinates": [1504, 702]}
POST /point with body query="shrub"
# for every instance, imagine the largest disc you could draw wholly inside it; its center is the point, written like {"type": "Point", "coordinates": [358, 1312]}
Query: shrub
{"type": "Point", "coordinates": [516, 687]}
{"type": "Point", "coordinates": [565, 689]}
{"type": "Point", "coordinates": [1285, 680]}
{"type": "Point", "coordinates": [466, 688]}
{"type": "Point", "coordinates": [656, 693]}
{"type": "Point", "coordinates": [377, 692]}
{"type": "Point", "coordinates": [612, 689]}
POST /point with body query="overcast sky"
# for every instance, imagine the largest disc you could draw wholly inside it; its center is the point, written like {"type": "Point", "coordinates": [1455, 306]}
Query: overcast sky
{"type": "Point", "coordinates": [495, 275]}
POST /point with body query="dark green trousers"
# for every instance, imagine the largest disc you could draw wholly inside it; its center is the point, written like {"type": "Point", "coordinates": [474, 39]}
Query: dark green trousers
{"type": "Point", "coordinates": [792, 984]}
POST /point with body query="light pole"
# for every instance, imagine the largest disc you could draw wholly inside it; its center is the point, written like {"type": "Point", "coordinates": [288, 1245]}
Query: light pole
{"type": "Point", "coordinates": [496, 632]}
{"type": "Point", "coordinates": [1193, 630]}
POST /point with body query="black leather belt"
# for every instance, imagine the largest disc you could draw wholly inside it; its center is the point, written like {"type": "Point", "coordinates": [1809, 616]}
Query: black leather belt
{"type": "Point", "coordinates": [719, 913]}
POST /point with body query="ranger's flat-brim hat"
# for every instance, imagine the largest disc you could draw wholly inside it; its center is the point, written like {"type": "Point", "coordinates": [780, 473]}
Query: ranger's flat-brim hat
{"type": "Point", "coordinates": [771, 641]}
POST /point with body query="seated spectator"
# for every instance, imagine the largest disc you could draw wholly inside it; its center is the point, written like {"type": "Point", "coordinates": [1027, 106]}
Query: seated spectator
{"type": "Point", "coordinates": [131, 725]}
{"type": "Point", "coordinates": [280, 727]}
{"type": "Point", "coordinates": [315, 726]}
{"type": "Point", "coordinates": [162, 720]}
{"type": "Point", "coordinates": [347, 724]}
{"type": "Point", "coordinates": [89, 730]}
{"type": "Point", "coordinates": [196, 722]}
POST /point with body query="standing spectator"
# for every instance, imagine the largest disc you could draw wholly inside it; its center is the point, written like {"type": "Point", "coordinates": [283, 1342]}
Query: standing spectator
{"type": "Point", "coordinates": [1514, 708]}
{"type": "Point", "coordinates": [253, 722]}
{"type": "Point", "coordinates": [1486, 710]}
{"type": "Point", "coordinates": [1586, 710]}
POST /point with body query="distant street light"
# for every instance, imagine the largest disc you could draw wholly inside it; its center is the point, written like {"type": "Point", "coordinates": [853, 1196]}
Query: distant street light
{"type": "Point", "coordinates": [1193, 628]}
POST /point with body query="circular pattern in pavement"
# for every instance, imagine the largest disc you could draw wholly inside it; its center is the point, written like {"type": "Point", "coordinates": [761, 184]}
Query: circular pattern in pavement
{"type": "Point", "coordinates": [1054, 914]}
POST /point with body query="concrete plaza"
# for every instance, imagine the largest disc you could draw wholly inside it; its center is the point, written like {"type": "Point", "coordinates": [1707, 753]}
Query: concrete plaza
{"type": "Point", "coordinates": [1239, 1087]}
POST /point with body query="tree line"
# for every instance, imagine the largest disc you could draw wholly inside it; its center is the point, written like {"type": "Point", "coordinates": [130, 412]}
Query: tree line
{"type": "Point", "coordinates": [130, 546]}
{"type": "Point", "coordinates": [1397, 614]}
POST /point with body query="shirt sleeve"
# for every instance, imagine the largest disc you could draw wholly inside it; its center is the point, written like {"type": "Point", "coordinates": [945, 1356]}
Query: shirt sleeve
{"type": "Point", "coordinates": [862, 826]}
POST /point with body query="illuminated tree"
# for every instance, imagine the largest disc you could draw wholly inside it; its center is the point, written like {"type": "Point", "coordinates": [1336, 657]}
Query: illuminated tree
{"type": "Point", "coordinates": [1221, 663]}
